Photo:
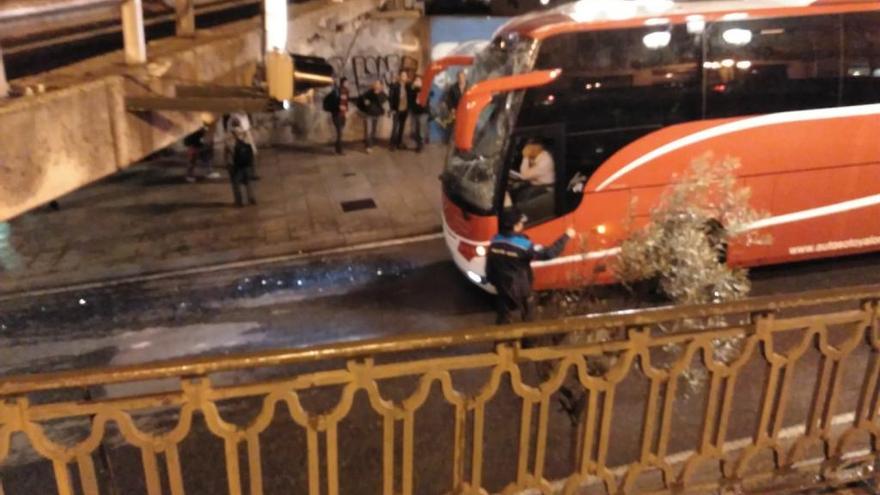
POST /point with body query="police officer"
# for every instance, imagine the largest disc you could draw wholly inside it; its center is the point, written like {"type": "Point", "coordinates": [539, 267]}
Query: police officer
{"type": "Point", "coordinates": [508, 265]}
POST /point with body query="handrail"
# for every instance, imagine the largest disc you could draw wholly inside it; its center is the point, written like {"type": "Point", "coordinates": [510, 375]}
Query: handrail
{"type": "Point", "coordinates": [24, 384]}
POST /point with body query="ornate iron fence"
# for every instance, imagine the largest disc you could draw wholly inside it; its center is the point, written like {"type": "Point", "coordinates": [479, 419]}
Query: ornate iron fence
{"type": "Point", "coordinates": [767, 392]}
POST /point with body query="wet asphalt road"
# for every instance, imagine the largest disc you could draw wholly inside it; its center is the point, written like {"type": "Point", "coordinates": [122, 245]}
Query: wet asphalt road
{"type": "Point", "coordinates": [359, 295]}
{"type": "Point", "coordinates": [413, 287]}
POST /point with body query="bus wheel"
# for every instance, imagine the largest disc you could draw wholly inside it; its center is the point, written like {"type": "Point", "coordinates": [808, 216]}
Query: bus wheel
{"type": "Point", "coordinates": [715, 234]}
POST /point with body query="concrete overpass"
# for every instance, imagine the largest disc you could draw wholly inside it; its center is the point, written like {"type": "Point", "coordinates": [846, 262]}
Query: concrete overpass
{"type": "Point", "coordinates": [71, 126]}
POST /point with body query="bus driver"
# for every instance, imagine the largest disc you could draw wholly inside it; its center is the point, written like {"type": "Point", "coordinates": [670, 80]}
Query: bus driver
{"type": "Point", "coordinates": [537, 172]}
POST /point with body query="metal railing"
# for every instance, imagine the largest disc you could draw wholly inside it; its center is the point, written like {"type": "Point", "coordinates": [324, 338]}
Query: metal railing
{"type": "Point", "coordinates": [762, 393]}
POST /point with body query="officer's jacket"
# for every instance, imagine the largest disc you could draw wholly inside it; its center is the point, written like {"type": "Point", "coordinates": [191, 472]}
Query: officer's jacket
{"type": "Point", "coordinates": [508, 262]}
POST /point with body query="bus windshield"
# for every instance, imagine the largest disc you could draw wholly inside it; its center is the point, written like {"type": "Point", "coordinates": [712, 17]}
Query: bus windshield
{"type": "Point", "coordinates": [469, 177]}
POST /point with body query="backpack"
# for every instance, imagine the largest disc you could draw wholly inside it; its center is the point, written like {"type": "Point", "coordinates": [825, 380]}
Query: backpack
{"type": "Point", "coordinates": [330, 101]}
{"type": "Point", "coordinates": [242, 154]}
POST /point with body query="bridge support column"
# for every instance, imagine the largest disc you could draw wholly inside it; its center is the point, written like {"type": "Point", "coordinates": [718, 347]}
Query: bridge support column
{"type": "Point", "coordinates": [279, 66]}
{"type": "Point", "coordinates": [4, 86]}
{"type": "Point", "coordinates": [133, 32]}
{"type": "Point", "coordinates": [185, 16]}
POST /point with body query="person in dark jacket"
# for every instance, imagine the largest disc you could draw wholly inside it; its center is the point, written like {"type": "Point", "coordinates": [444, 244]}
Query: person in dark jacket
{"type": "Point", "coordinates": [508, 265]}
{"type": "Point", "coordinates": [419, 115]}
{"type": "Point", "coordinates": [372, 105]}
{"type": "Point", "coordinates": [200, 148]}
{"type": "Point", "coordinates": [336, 104]}
{"type": "Point", "coordinates": [399, 98]}
{"type": "Point", "coordinates": [453, 96]}
{"type": "Point", "coordinates": [241, 119]}
{"type": "Point", "coordinates": [240, 155]}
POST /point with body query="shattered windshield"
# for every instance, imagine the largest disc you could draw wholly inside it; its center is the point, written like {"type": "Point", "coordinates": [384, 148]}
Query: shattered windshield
{"type": "Point", "coordinates": [470, 175]}
{"type": "Point", "coordinates": [503, 57]}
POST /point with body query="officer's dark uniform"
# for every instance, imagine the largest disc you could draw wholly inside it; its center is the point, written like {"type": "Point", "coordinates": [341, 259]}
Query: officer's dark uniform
{"type": "Point", "coordinates": [508, 267]}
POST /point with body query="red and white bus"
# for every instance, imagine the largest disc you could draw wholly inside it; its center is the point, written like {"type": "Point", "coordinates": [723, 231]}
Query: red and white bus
{"type": "Point", "coordinates": [628, 92]}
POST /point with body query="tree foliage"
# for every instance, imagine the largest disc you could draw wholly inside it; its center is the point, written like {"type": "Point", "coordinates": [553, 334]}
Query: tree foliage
{"type": "Point", "coordinates": [684, 244]}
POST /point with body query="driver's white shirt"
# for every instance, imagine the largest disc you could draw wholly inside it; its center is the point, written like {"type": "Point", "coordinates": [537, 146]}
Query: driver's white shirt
{"type": "Point", "coordinates": [540, 171]}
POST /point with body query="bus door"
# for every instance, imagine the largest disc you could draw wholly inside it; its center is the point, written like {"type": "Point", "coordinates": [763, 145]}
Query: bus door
{"type": "Point", "coordinates": [534, 173]}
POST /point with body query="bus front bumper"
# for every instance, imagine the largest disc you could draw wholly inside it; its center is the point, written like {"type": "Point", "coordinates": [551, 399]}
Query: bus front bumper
{"type": "Point", "coordinates": [469, 257]}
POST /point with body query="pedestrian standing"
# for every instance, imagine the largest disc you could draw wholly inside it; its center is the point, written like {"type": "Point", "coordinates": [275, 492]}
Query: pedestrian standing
{"type": "Point", "coordinates": [372, 105]}
{"type": "Point", "coordinates": [240, 156]}
{"type": "Point", "coordinates": [336, 104]}
{"type": "Point", "coordinates": [453, 97]}
{"type": "Point", "coordinates": [419, 115]}
{"type": "Point", "coordinates": [242, 121]}
{"type": "Point", "coordinates": [200, 150]}
{"type": "Point", "coordinates": [399, 97]}
{"type": "Point", "coordinates": [454, 94]}
{"type": "Point", "coordinates": [508, 265]}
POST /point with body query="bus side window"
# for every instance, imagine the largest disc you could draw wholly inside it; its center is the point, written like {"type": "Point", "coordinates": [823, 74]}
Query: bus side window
{"type": "Point", "coordinates": [861, 59]}
{"type": "Point", "coordinates": [616, 86]}
{"type": "Point", "coordinates": [772, 65]}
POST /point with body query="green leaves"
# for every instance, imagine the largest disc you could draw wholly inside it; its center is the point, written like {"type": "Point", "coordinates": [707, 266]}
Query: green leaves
{"type": "Point", "coordinates": [682, 245]}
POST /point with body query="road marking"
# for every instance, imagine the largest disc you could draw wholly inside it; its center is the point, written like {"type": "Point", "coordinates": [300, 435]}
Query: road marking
{"type": "Point", "coordinates": [222, 267]}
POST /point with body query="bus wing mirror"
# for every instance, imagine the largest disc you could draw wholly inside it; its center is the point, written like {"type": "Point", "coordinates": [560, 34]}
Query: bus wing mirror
{"type": "Point", "coordinates": [476, 98]}
{"type": "Point", "coordinates": [437, 67]}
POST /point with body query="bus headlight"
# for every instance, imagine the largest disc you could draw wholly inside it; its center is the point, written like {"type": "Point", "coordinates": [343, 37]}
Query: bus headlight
{"type": "Point", "coordinates": [474, 277]}
{"type": "Point", "coordinates": [481, 250]}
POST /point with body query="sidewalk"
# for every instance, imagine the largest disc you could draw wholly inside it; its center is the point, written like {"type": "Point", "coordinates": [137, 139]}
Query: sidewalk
{"type": "Point", "coordinates": [148, 219]}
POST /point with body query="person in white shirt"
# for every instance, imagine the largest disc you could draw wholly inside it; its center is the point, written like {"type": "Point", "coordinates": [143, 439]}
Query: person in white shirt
{"type": "Point", "coordinates": [536, 175]}
{"type": "Point", "coordinates": [537, 167]}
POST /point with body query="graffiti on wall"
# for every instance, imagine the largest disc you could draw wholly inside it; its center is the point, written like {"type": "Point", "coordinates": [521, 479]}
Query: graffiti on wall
{"type": "Point", "coordinates": [362, 70]}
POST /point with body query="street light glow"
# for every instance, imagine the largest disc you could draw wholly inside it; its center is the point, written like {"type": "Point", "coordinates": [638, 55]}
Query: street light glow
{"type": "Point", "coordinates": [657, 40]}
{"type": "Point", "coordinates": [276, 25]}
{"type": "Point", "coordinates": [737, 36]}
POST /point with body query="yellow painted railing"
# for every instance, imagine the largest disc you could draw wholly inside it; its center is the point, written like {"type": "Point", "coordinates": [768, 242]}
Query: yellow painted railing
{"type": "Point", "coordinates": [763, 393]}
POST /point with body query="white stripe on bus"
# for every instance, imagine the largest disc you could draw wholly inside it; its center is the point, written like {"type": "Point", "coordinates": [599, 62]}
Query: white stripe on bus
{"type": "Point", "coordinates": [574, 258]}
{"type": "Point", "coordinates": [457, 237]}
{"type": "Point", "coordinates": [741, 125]}
{"type": "Point", "coordinates": [796, 216]}
{"type": "Point", "coordinates": [821, 211]}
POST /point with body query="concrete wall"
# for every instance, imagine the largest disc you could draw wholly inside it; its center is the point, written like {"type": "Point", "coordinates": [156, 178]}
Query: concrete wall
{"type": "Point", "coordinates": [363, 48]}
{"type": "Point", "coordinates": [45, 150]}
{"type": "Point", "coordinates": [79, 131]}
{"type": "Point", "coordinates": [55, 142]}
